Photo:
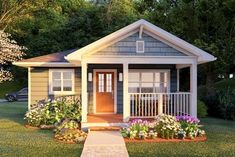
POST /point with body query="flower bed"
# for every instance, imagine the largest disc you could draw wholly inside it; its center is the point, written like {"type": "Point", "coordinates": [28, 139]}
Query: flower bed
{"type": "Point", "coordinates": [62, 116]}
{"type": "Point", "coordinates": [164, 128]}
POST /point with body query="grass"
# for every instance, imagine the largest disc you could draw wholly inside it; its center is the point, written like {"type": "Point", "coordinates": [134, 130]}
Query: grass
{"type": "Point", "coordinates": [8, 87]}
{"type": "Point", "coordinates": [221, 142]}
{"type": "Point", "coordinates": [16, 140]}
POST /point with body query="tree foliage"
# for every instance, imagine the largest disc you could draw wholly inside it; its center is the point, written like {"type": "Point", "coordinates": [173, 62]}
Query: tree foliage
{"type": "Point", "coordinates": [9, 52]}
{"type": "Point", "coordinates": [47, 26]}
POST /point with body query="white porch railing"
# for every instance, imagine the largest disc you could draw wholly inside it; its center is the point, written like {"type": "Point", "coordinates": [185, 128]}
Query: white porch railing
{"type": "Point", "coordinates": [149, 105]}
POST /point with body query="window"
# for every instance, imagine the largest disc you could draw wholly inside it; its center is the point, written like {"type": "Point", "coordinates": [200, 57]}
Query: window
{"type": "Point", "coordinates": [148, 81]}
{"type": "Point", "coordinates": [139, 46]}
{"type": "Point", "coordinates": [61, 81]}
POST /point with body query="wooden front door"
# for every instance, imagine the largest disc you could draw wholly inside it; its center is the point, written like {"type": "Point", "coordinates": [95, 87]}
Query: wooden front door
{"type": "Point", "coordinates": [105, 92]}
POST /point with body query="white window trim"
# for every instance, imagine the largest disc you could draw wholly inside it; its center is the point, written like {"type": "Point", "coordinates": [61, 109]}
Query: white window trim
{"type": "Point", "coordinates": [137, 42]}
{"type": "Point", "coordinates": [154, 71]}
{"type": "Point", "coordinates": [51, 92]}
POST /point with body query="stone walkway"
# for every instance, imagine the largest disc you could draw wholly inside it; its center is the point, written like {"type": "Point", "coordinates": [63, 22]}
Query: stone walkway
{"type": "Point", "coordinates": [104, 144]}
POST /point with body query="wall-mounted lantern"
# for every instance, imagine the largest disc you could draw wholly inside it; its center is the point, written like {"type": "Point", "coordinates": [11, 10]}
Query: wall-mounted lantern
{"type": "Point", "coordinates": [90, 77]}
{"type": "Point", "coordinates": [120, 77]}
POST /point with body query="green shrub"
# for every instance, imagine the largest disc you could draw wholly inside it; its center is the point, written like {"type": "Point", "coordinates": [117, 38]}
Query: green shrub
{"type": "Point", "coordinates": [201, 109]}
{"type": "Point", "coordinates": [226, 105]}
{"type": "Point", "coordinates": [66, 124]}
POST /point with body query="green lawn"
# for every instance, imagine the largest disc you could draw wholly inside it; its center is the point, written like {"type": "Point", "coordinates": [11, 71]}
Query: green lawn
{"type": "Point", "coordinates": [16, 140]}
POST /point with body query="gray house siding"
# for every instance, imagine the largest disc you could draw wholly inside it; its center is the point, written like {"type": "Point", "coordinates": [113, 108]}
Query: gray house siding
{"type": "Point", "coordinates": [40, 83]}
{"type": "Point", "coordinates": [127, 46]}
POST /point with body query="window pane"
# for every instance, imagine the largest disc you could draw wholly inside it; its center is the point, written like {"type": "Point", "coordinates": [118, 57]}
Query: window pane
{"type": "Point", "coordinates": [162, 77]}
{"type": "Point", "coordinates": [67, 75]}
{"type": "Point", "coordinates": [134, 77]}
{"type": "Point", "coordinates": [147, 77]}
{"type": "Point", "coordinates": [100, 82]}
{"type": "Point", "coordinates": [146, 87]}
{"type": "Point", "coordinates": [165, 77]}
{"type": "Point", "coordinates": [134, 88]}
{"type": "Point", "coordinates": [157, 77]}
{"type": "Point", "coordinates": [108, 82]}
{"type": "Point", "coordinates": [56, 75]}
{"type": "Point", "coordinates": [67, 85]}
{"type": "Point", "coordinates": [56, 85]}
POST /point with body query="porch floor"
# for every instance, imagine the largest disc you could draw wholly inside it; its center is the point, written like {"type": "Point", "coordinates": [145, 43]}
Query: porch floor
{"type": "Point", "coordinates": [105, 118]}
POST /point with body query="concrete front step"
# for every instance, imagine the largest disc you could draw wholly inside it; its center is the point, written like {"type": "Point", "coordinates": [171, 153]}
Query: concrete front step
{"type": "Point", "coordinates": [105, 128]}
{"type": "Point", "coordinates": [85, 126]}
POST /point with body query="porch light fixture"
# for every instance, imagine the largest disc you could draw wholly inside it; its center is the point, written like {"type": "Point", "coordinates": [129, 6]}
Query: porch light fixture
{"type": "Point", "coordinates": [90, 77]}
{"type": "Point", "coordinates": [120, 77]}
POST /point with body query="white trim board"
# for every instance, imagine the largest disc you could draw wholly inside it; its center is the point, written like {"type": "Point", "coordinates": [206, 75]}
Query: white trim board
{"type": "Point", "coordinates": [46, 64]}
{"type": "Point", "coordinates": [115, 89]}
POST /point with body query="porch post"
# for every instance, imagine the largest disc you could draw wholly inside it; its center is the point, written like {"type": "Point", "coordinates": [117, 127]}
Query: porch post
{"type": "Point", "coordinates": [84, 92]}
{"type": "Point", "coordinates": [178, 79]}
{"type": "Point", "coordinates": [193, 88]}
{"type": "Point", "coordinates": [126, 103]}
{"type": "Point", "coordinates": [29, 88]}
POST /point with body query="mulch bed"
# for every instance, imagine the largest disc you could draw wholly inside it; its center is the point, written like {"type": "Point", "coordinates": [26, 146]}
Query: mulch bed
{"type": "Point", "coordinates": [32, 127]}
{"type": "Point", "coordinates": [41, 127]}
{"type": "Point", "coordinates": [159, 140]}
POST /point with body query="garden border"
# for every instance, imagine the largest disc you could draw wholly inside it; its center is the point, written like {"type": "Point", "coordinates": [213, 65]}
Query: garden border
{"type": "Point", "coordinates": [162, 140]}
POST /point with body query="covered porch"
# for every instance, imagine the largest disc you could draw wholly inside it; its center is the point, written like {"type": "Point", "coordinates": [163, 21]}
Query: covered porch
{"type": "Point", "coordinates": [140, 102]}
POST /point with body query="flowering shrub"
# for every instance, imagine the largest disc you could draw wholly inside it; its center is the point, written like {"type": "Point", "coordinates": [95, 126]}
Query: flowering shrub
{"type": "Point", "coordinates": [190, 125]}
{"type": "Point", "coordinates": [34, 117]}
{"type": "Point", "coordinates": [137, 129]}
{"type": "Point", "coordinates": [51, 112]}
{"type": "Point", "coordinates": [166, 125]}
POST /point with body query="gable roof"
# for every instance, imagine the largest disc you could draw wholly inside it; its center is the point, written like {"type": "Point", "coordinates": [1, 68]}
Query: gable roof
{"type": "Point", "coordinates": [133, 28]}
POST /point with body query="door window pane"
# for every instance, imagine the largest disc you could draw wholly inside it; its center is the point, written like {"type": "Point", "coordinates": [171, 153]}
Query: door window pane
{"type": "Point", "coordinates": [100, 82]}
{"type": "Point", "coordinates": [108, 82]}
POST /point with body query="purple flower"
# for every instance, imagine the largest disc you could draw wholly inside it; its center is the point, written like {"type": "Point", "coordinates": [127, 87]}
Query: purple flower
{"type": "Point", "coordinates": [188, 119]}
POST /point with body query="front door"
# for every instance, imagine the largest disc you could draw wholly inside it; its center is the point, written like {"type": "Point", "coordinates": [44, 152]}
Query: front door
{"type": "Point", "coordinates": [104, 92]}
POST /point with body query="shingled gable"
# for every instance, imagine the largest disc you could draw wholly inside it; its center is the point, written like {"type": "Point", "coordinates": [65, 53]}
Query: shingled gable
{"type": "Point", "coordinates": [141, 25]}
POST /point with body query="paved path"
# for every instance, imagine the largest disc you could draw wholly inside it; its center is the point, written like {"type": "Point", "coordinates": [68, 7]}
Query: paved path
{"type": "Point", "coordinates": [104, 144]}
